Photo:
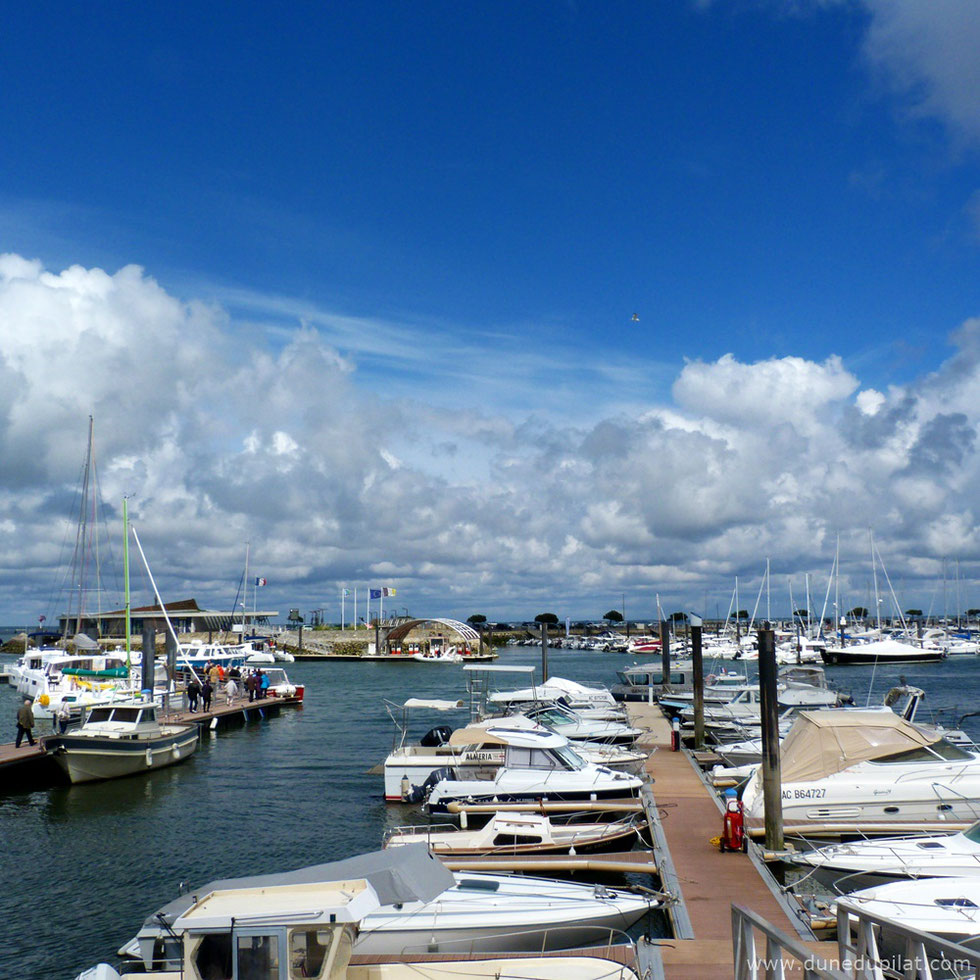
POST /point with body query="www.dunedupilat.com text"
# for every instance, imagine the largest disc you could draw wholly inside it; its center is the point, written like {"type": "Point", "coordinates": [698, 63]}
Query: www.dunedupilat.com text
{"type": "Point", "coordinates": [860, 965]}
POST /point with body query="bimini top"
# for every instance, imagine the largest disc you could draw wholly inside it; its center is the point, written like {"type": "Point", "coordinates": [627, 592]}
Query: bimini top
{"type": "Point", "coordinates": [821, 743]}
{"type": "Point", "coordinates": [498, 732]}
{"type": "Point", "coordinates": [401, 874]}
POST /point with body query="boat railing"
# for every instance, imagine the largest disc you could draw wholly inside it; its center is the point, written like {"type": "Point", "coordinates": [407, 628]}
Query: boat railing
{"type": "Point", "coordinates": [417, 829]}
{"type": "Point", "coordinates": [869, 947]}
{"type": "Point", "coordinates": [602, 940]}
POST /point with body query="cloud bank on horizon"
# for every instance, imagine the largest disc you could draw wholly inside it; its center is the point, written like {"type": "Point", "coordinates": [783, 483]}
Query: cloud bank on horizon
{"type": "Point", "coordinates": [334, 483]}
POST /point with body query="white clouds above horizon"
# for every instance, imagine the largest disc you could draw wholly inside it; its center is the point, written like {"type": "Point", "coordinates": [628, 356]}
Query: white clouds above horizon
{"type": "Point", "coordinates": [281, 442]}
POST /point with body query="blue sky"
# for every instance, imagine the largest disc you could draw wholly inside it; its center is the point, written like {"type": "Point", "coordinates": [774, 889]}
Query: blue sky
{"type": "Point", "coordinates": [390, 256]}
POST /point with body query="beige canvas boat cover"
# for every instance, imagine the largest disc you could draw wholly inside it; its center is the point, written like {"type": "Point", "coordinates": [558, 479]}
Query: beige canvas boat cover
{"type": "Point", "coordinates": [475, 735]}
{"type": "Point", "coordinates": [824, 742]}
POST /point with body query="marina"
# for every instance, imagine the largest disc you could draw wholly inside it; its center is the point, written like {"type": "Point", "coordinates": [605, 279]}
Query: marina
{"type": "Point", "coordinates": [285, 792]}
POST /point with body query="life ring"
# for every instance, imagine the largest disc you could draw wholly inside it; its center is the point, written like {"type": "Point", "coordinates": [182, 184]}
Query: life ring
{"type": "Point", "coordinates": [45, 700]}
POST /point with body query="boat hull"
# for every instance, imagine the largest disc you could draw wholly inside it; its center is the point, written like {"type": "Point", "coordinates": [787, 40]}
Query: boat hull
{"type": "Point", "coordinates": [87, 759]}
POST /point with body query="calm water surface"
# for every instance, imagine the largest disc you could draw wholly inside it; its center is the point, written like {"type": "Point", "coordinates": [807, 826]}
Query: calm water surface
{"type": "Point", "coordinates": [82, 866]}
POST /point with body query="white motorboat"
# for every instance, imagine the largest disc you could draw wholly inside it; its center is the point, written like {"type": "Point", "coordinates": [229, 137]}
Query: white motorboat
{"type": "Point", "coordinates": [518, 833]}
{"type": "Point", "coordinates": [572, 693]}
{"type": "Point", "coordinates": [575, 728]}
{"type": "Point", "coordinates": [537, 766]}
{"type": "Point", "coordinates": [421, 907]}
{"type": "Point", "coordinates": [866, 863]}
{"type": "Point", "coordinates": [438, 657]}
{"type": "Point", "coordinates": [872, 770]}
{"type": "Point", "coordinates": [945, 907]}
{"type": "Point", "coordinates": [469, 752]}
{"type": "Point", "coordinates": [280, 686]}
{"type": "Point", "coordinates": [121, 740]}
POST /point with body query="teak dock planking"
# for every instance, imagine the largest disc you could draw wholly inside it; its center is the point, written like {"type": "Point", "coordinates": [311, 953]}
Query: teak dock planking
{"type": "Point", "coordinates": [32, 766]}
{"type": "Point", "coordinates": [708, 881]}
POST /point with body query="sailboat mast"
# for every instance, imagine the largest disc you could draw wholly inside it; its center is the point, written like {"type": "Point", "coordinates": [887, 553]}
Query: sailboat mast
{"type": "Point", "coordinates": [81, 540]}
{"type": "Point", "coordinates": [245, 592]}
{"type": "Point", "coordinates": [874, 576]}
{"type": "Point", "coordinates": [126, 574]}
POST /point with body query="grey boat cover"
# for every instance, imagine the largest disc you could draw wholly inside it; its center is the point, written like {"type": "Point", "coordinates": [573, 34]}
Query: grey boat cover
{"type": "Point", "coordinates": [398, 875]}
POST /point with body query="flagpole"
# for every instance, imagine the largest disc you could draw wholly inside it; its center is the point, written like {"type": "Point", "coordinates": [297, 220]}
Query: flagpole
{"type": "Point", "coordinates": [343, 592]}
{"type": "Point", "coordinates": [355, 607]}
{"type": "Point", "coordinates": [381, 606]}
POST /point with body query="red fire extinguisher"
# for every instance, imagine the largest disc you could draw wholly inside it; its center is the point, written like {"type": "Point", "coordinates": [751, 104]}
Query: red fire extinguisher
{"type": "Point", "coordinates": [675, 735]}
{"type": "Point", "coordinates": [733, 825]}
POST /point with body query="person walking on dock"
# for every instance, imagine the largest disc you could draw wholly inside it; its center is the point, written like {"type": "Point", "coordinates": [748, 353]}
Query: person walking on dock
{"type": "Point", "coordinates": [263, 685]}
{"type": "Point", "coordinates": [25, 723]}
{"type": "Point", "coordinates": [63, 715]}
{"type": "Point", "coordinates": [207, 690]}
{"type": "Point", "coordinates": [193, 693]}
{"type": "Point", "coordinates": [250, 684]}
{"type": "Point", "coordinates": [231, 690]}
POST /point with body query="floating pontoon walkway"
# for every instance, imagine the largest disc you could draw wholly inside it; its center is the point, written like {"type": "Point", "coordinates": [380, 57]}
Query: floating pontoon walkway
{"type": "Point", "coordinates": [32, 767]}
{"type": "Point", "coordinates": [685, 816]}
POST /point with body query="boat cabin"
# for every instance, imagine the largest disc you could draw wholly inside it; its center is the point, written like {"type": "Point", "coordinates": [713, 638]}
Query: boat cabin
{"type": "Point", "coordinates": [121, 720]}
{"type": "Point", "coordinates": [285, 932]}
{"type": "Point", "coordinates": [518, 749]}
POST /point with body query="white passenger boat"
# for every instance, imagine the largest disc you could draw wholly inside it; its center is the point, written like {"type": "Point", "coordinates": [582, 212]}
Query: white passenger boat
{"type": "Point", "coordinates": [121, 740]}
{"type": "Point", "coordinates": [438, 657]}
{"type": "Point", "coordinates": [870, 769]}
{"type": "Point", "coordinates": [421, 907]}
{"type": "Point", "coordinates": [518, 833]}
{"type": "Point", "coordinates": [537, 766]}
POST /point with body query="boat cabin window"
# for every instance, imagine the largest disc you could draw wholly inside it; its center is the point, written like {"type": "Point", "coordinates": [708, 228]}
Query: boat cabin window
{"type": "Point", "coordinates": [126, 714]}
{"type": "Point", "coordinates": [258, 958]}
{"type": "Point", "coordinates": [510, 840]}
{"type": "Point", "coordinates": [100, 714]}
{"type": "Point", "coordinates": [972, 833]}
{"type": "Point", "coordinates": [569, 757]}
{"type": "Point", "coordinates": [929, 753]}
{"type": "Point", "coordinates": [307, 952]}
{"type": "Point", "coordinates": [212, 958]}
{"type": "Point", "coordinates": [532, 759]}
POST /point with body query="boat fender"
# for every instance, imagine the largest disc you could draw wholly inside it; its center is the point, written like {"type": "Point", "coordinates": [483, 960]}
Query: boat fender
{"type": "Point", "coordinates": [149, 757]}
{"type": "Point", "coordinates": [406, 787]}
{"type": "Point", "coordinates": [175, 748]}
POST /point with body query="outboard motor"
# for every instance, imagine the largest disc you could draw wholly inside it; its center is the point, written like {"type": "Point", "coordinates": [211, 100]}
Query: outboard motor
{"type": "Point", "coordinates": [418, 794]}
{"type": "Point", "coordinates": [437, 736]}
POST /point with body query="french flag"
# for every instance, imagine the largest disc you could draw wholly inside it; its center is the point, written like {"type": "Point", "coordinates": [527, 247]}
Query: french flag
{"type": "Point", "coordinates": [259, 581]}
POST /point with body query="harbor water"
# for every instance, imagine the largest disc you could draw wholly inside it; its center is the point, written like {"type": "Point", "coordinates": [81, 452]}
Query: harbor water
{"type": "Point", "coordinates": [82, 866]}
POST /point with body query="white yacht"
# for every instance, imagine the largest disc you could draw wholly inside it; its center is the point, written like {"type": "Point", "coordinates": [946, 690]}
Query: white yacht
{"type": "Point", "coordinates": [537, 766]}
{"type": "Point", "coordinates": [420, 907]}
{"type": "Point", "coordinates": [572, 693]}
{"type": "Point", "coordinates": [869, 770]}
{"type": "Point", "coordinates": [884, 651]}
{"type": "Point", "coordinates": [121, 740]}
{"type": "Point", "coordinates": [469, 752]}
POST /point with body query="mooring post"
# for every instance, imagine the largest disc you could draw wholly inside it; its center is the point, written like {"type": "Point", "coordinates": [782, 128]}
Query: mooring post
{"type": "Point", "coordinates": [148, 655]}
{"type": "Point", "coordinates": [170, 648]}
{"type": "Point", "coordinates": [544, 653]}
{"type": "Point", "coordinates": [771, 771]}
{"type": "Point", "coordinates": [697, 680]}
{"type": "Point", "coordinates": [665, 650]}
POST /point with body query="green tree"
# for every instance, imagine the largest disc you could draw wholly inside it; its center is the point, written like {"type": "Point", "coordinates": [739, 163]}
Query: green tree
{"type": "Point", "coordinates": [546, 619]}
{"type": "Point", "coordinates": [969, 612]}
{"type": "Point", "coordinates": [678, 617]}
{"type": "Point", "coordinates": [613, 616]}
{"type": "Point", "coordinates": [801, 613]}
{"type": "Point", "coordinates": [741, 614]}
{"type": "Point", "coordinates": [476, 619]}
{"type": "Point", "coordinates": [859, 612]}
{"type": "Point", "coordinates": [913, 613]}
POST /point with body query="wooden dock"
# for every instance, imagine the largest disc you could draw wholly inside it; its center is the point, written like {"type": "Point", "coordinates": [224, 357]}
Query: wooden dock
{"type": "Point", "coordinates": [705, 882]}
{"type": "Point", "coordinates": [32, 767]}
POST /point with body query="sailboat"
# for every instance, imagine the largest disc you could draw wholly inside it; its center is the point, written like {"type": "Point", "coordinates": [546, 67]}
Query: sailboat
{"type": "Point", "coordinates": [122, 739]}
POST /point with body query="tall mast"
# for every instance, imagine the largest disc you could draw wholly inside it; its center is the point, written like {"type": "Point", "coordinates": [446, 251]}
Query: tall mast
{"type": "Point", "coordinates": [874, 575]}
{"type": "Point", "coordinates": [126, 573]}
{"type": "Point", "coordinates": [245, 593]}
{"type": "Point", "coordinates": [81, 540]}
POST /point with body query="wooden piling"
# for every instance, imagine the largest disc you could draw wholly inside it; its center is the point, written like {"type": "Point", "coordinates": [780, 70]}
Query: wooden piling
{"type": "Point", "coordinates": [771, 772]}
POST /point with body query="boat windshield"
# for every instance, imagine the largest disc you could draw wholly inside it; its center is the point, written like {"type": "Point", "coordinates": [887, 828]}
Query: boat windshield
{"type": "Point", "coordinates": [940, 749]}
{"type": "Point", "coordinates": [569, 756]}
{"type": "Point", "coordinates": [972, 833]}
